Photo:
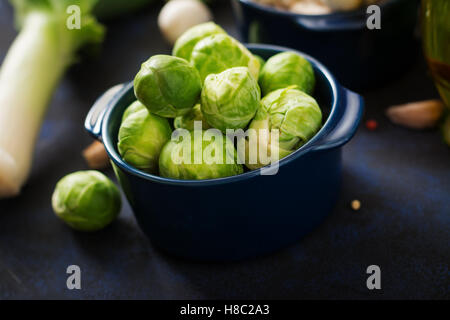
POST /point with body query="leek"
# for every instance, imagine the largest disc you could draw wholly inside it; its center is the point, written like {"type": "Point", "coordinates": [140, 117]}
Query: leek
{"type": "Point", "coordinates": [43, 50]}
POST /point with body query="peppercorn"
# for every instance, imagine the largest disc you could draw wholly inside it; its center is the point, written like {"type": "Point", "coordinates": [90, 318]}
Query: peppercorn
{"type": "Point", "coordinates": [356, 205]}
{"type": "Point", "coordinates": [371, 124]}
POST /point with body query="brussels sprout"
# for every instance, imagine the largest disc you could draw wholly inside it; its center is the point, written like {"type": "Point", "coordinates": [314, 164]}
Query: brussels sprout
{"type": "Point", "coordinates": [259, 143]}
{"type": "Point", "coordinates": [262, 62]}
{"type": "Point", "coordinates": [168, 86]}
{"type": "Point", "coordinates": [187, 121]}
{"type": "Point", "coordinates": [199, 155]}
{"type": "Point", "coordinates": [219, 52]}
{"type": "Point", "coordinates": [286, 69]}
{"type": "Point", "coordinates": [132, 108]}
{"type": "Point", "coordinates": [141, 137]}
{"type": "Point", "coordinates": [187, 41]}
{"type": "Point", "coordinates": [230, 99]}
{"type": "Point", "coordinates": [86, 200]}
{"type": "Point", "coordinates": [295, 115]}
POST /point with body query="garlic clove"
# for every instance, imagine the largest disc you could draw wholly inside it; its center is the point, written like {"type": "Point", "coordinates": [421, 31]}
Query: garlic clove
{"type": "Point", "coordinates": [96, 156]}
{"type": "Point", "coordinates": [417, 115]}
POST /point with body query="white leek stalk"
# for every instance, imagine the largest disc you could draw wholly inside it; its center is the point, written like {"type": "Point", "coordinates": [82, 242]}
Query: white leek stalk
{"type": "Point", "coordinates": [30, 72]}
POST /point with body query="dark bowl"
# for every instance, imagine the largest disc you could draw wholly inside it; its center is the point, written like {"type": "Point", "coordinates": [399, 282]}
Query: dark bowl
{"type": "Point", "coordinates": [245, 215]}
{"type": "Point", "coordinates": [360, 58]}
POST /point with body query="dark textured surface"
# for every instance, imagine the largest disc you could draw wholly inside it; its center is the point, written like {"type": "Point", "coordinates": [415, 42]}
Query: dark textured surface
{"type": "Point", "coordinates": [402, 178]}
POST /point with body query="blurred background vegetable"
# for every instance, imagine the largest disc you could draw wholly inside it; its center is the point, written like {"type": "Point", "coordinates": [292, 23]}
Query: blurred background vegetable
{"type": "Point", "coordinates": [446, 130]}
{"type": "Point", "coordinates": [36, 61]}
{"type": "Point", "coordinates": [96, 156]}
{"type": "Point", "coordinates": [343, 5]}
{"type": "Point", "coordinates": [312, 7]}
{"type": "Point", "coordinates": [177, 16]}
{"type": "Point", "coordinates": [30, 72]}
{"type": "Point", "coordinates": [436, 44]}
{"type": "Point", "coordinates": [317, 7]}
{"type": "Point", "coordinates": [417, 115]}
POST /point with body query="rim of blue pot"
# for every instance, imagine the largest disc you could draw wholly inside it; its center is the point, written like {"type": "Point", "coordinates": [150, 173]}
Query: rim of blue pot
{"type": "Point", "coordinates": [307, 147]}
{"type": "Point", "coordinates": [286, 13]}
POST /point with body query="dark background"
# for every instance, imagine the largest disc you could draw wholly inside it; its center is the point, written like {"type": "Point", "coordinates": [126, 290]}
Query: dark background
{"type": "Point", "coordinates": [402, 178]}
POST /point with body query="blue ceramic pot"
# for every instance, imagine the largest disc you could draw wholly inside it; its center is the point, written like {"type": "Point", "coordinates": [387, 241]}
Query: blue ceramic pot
{"type": "Point", "coordinates": [240, 216]}
{"type": "Point", "coordinates": [360, 58]}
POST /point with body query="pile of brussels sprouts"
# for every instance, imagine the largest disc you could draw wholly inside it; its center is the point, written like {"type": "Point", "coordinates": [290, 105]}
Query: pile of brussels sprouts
{"type": "Point", "coordinates": [213, 81]}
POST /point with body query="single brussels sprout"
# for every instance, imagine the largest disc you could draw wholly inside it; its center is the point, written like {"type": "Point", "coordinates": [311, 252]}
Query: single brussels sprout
{"type": "Point", "coordinates": [141, 137]}
{"type": "Point", "coordinates": [199, 155]}
{"type": "Point", "coordinates": [286, 69]}
{"type": "Point", "coordinates": [259, 143]}
{"type": "Point", "coordinates": [187, 41]}
{"type": "Point", "coordinates": [132, 108]}
{"type": "Point", "coordinates": [187, 120]}
{"type": "Point", "coordinates": [168, 86]}
{"type": "Point", "coordinates": [295, 113]}
{"type": "Point", "coordinates": [230, 99]}
{"type": "Point", "coordinates": [86, 200]}
{"type": "Point", "coordinates": [219, 52]}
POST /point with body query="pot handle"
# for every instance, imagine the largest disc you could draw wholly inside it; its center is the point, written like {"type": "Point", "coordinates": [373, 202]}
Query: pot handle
{"type": "Point", "coordinates": [94, 119]}
{"type": "Point", "coordinates": [346, 123]}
